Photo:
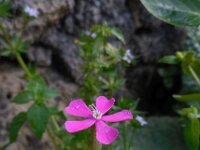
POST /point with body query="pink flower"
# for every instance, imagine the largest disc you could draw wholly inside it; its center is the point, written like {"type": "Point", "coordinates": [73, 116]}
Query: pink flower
{"type": "Point", "coordinates": [96, 115]}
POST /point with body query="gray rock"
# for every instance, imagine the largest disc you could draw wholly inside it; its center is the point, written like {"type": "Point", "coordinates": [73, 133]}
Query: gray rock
{"type": "Point", "coordinates": [11, 84]}
{"type": "Point", "coordinates": [40, 56]}
{"type": "Point", "coordinates": [50, 13]}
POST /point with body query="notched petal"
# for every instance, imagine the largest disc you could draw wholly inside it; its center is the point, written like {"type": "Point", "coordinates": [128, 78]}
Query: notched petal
{"type": "Point", "coordinates": [103, 104]}
{"type": "Point", "coordinates": [78, 108]}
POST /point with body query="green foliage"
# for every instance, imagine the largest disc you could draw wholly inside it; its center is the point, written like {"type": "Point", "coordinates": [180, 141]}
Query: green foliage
{"type": "Point", "coordinates": [40, 90]}
{"type": "Point", "coordinates": [176, 12]}
{"type": "Point", "coordinates": [189, 113]}
{"type": "Point", "coordinates": [188, 97]}
{"type": "Point", "coordinates": [190, 63]}
{"type": "Point", "coordinates": [105, 31]}
{"type": "Point", "coordinates": [38, 116]}
{"type": "Point", "coordinates": [23, 97]}
{"type": "Point", "coordinates": [102, 62]}
{"type": "Point", "coordinates": [4, 8]}
{"type": "Point", "coordinates": [191, 126]}
{"type": "Point", "coordinates": [15, 126]}
{"type": "Point", "coordinates": [192, 133]}
{"type": "Point", "coordinates": [169, 60]}
{"type": "Point", "coordinates": [37, 90]}
{"type": "Point", "coordinates": [17, 45]}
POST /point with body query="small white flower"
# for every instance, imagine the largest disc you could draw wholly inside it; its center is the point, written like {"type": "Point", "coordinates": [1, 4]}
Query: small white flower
{"type": "Point", "coordinates": [87, 33]}
{"type": "Point", "coordinates": [141, 120]}
{"type": "Point", "coordinates": [128, 56]}
{"type": "Point", "coordinates": [33, 12]}
{"type": "Point", "coordinates": [93, 35]}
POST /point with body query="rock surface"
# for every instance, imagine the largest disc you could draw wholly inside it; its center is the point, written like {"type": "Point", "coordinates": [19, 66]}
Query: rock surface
{"type": "Point", "coordinates": [50, 12]}
{"type": "Point", "coordinates": [11, 84]}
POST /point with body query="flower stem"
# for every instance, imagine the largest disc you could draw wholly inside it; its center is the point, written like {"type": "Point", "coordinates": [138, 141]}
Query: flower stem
{"type": "Point", "coordinates": [124, 137]}
{"type": "Point", "coordinates": [53, 140]}
{"type": "Point", "coordinates": [55, 124]}
{"type": "Point", "coordinates": [96, 144]}
{"type": "Point", "coordinates": [194, 75]}
{"type": "Point", "coordinates": [130, 145]}
{"type": "Point", "coordinates": [23, 65]}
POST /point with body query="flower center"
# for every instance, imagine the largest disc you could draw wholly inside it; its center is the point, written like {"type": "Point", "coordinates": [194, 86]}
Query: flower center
{"type": "Point", "coordinates": [96, 113]}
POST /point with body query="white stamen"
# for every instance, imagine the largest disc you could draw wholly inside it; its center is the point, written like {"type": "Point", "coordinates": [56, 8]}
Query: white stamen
{"type": "Point", "coordinates": [96, 113]}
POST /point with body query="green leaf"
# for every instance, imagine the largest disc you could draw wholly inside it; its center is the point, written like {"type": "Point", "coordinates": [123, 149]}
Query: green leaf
{"type": "Point", "coordinates": [6, 53]}
{"type": "Point", "coordinates": [15, 126]}
{"type": "Point", "coordinates": [50, 93]}
{"type": "Point", "coordinates": [169, 60]}
{"type": "Point", "coordinates": [191, 112]}
{"type": "Point", "coordinates": [116, 32]}
{"type": "Point", "coordinates": [36, 84]}
{"type": "Point", "coordinates": [4, 8]}
{"type": "Point", "coordinates": [192, 134]}
{"type": "Point", "coordinates": [102, 30]}
{"type": "Point", "coordinates": [40, 89]}
{"type": "Point", "coordinates": [190, 61]}
{"type": "Point", "coordinates": [188, 97]}
{"type": "Point", "coordinates": [176, 12]}
{"type": "Point", "coordinates": [23, 97]}
{"type": "Point", "coordinates": [38, 116]}
{"type": "Point", "coordinates": [20, 44]}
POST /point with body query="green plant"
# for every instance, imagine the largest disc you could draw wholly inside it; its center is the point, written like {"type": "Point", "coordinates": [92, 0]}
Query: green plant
{"type": "Point", "coordinates": [183, 13]}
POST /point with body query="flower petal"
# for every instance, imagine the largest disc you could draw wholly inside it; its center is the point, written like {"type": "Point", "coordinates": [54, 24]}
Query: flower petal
{"type": "Point", "coordinates": [103, 104]}
{"type": "Point", "coordinates": [105, 134]}
{"type": "Point", "coordinates": [78, 108]}
{"type": "Point", "coordinates": [75, 126]}
{"type": "Point", "coordinates": [119, 116]}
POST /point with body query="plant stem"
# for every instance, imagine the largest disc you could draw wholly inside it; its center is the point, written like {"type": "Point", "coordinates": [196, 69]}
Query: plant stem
{"type": "Point", "coordinates": [29, 75]}
{"type": "Point", "coordinates": [53, 140]}
{"type": "Point", "coordinates": [23, 65]}
{"type": "Point", "coordinates": [194, 75]}
{"type": "Point", "coordinates": [124, 137]}
{"type": "Point", "coordinates": [18, 56]}
{"type": "Point", "coordinates": [96, 144]}
{"type": "Point", "coordinates": [55, 124]}
{"type": "Point", "coordinates": [132, 136]}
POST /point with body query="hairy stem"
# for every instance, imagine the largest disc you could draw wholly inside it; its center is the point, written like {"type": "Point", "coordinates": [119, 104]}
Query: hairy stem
{"type": "Point", "coordinates": [18, 56]}
{"type": "Point", "coordinates": [124, 137]}
{"type": "Point", "coordinates": [53, 140]}
{"type": "Point", "coordinates": [96, 144]}
{"type": "Point", "coordinates": [23, 65]}
{"type": "Point", "coordinates": [194, 75]}
{"type": "Point", "coordinates": [55, 124]}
